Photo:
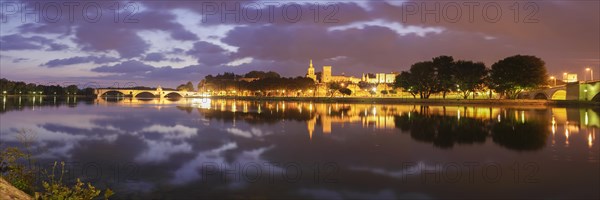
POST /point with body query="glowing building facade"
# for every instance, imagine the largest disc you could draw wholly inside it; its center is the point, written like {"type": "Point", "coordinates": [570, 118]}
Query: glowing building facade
{"type": "Point", "coordinates": [311, 72]}
{"type": "Point", "coordinates": [327, 76]}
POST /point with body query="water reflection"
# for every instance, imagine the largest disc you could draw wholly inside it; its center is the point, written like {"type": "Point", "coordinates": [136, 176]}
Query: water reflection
{"type": "Point", "coordinates": [443, 126]}
{"type": "Point", "coordinates": [164, 145]}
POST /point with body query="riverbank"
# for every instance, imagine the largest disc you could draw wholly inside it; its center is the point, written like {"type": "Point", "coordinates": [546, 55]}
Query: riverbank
{"type": "Point", "coordinates": [393, 100]}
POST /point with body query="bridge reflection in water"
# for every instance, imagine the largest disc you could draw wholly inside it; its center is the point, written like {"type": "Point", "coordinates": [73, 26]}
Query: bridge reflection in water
{"type": "Point", "coordinates": [444, 126]}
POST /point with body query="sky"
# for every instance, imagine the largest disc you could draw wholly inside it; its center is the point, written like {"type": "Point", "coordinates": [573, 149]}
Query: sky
{"type": "Point", "coordinates": [160, 42]}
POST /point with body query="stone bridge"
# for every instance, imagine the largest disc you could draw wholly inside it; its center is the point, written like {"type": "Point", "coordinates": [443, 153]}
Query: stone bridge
{"type": "Point", "coordinates": [588, 91]}
{"type": "Point", "coordinates": [159, 92]}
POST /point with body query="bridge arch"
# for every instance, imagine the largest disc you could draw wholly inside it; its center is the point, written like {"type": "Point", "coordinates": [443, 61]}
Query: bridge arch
{"type": "Point", "coordinates": [559, 95]}
{"type": "Point", "coordinates": [540, 95]}
{"type": "Point", "coordinates": [104, 93]}
{"type": "Point", "coordinates": [173, 94]}
{"type": "Point", "coordinates": [596, 97]}
{"type": "Point", "coordinates": [144, 94]}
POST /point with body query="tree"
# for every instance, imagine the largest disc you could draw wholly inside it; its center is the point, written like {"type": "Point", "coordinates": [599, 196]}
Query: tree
{"type": "Point", "coordinates": [8, 86]}
{"type": "Point", "coordinates": [189, 86]}
{"type": "Point", "coordinates": [334, 86]}
{"type": "Point", "coordinates": [445, 74]}
{"type": "Point", "coordinates": [261, 74]}
{"type": "Point", "coordinates": [470, 76]}
{"type": "Point", "coordinates": [88, 91]}
{"type": "Point", "coordinates": [422, 79]}
{"type": "Point", "coordinates": [514, 74]}
{"type": "Point", "coordinates": [72, 89]}
{"type": "Point", "coordinates": [201, 84]}
{"type": "Point", "coordinates": [406, 81]}
{"type": "Point", "coordinates": [345, 91]}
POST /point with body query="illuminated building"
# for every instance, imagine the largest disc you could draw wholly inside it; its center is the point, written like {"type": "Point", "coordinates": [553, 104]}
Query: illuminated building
{"type": "Point", "coordinates": [379, 78]}
{"type": "Point", "coordinates": [327, 76]}
{"type": "Point", "coordinates": [569, 78]}
{"type": "Point", "coordinates": [311, 72]}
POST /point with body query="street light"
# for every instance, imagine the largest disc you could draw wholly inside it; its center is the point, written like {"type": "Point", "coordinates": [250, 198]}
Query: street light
{"type": "Point", "coordinates": [554, 79]}
{"type": "Point", "coordinates": [374, 89]}
{"type": "Point", "coordinates": [591, 73]}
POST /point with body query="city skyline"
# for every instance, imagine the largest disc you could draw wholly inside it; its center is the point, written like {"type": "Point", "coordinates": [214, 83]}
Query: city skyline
{"type": "Point", "coordinates": [166, 44]}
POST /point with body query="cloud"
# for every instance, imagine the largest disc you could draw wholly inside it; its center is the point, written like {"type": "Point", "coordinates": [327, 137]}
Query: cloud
{"type": "Point", "coordinates": [18, 60]}
{"type": "Point", "coordinates": [160, 151]}
{"type": "Point", "coordinates": [253, 132]}
{"type": "Point", "coordinates": [138, 71]}
{"type": "Point", "coordinates": [130, 66]}
{"type": "Point", "coordinates": [19, 42]}
{"type": "Point", "coordinates": [154, 57]}
{"type": "Point", "coordinates": [176, 60]}
{"type": "Point", "coordinates": [172, 132]}
{"type": "Point", "coordinates": [281, 13]}
{"type": "Point", "coordinates": [183, 35]}
{"type": "Point", "coordinates": [124, 37]}
{"type": "Point", "coordinates": [79, 60]}
{"type": "Point", "coordinates": [369, 36]}
{"type": "Point", "coordinates": [51, 28]}
{"type": "Point", "coordinates": [57, 47]}
{"type": "Point", "coordinates": [209, 54]}
{"type": "Point", "coordinates": [126, 42]}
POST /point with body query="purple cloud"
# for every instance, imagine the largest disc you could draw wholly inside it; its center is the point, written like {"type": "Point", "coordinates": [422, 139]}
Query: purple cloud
{"type": "Point", "coordinates": [19, 42]}
{"type": "Point", "coordinates": [127, 43]}
{"type": "Point", "coordinates": [176, 60]}
{"type": "Point", "coordinates": [79, 60]}
{"type": "Point", "coordinates": [284, 13]}
{"type": "Point", "coordinates": [209, 54]}
{"type": "Point", "coordinates": [18, 60]}
{"type": "Point", "coordinates": [154, 57]}
{"type": "Point", "coordinates": [131, 66]}
{"type": "Point", "coordinates": [367, 37]}
{"type": "Point", "coordinates": [107, 35]}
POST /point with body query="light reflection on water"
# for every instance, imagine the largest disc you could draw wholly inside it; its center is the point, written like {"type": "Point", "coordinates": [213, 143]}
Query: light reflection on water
{"type": "Point", "coordinates": [166, 145]}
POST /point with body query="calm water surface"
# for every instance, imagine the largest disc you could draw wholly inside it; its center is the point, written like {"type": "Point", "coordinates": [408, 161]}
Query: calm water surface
{"type": "Point", "coordinates": [202, 148]}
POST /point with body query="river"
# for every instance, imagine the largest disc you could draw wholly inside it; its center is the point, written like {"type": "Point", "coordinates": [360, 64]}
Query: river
{"type": "Point", "coordinates": [211, 148]}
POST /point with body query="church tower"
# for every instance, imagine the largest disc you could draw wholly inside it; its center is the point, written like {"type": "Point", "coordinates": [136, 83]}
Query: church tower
{"type": "Point", "coordinates": [311, 72]}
